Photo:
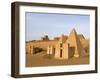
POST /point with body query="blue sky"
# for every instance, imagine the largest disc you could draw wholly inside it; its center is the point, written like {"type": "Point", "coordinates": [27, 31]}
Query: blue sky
{"type": "Point", "coordinates": [53, 25]}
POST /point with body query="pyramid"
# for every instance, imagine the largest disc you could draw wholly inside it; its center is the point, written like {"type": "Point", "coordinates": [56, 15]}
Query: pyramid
{"type": "Point", "coordinates": [74, 41]}
{"type": "Point", "coordinates": [62, 38]}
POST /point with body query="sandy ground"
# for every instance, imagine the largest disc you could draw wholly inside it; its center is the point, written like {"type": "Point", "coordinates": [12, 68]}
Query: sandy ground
{"type": "Point", "coordinates": [41, 60]}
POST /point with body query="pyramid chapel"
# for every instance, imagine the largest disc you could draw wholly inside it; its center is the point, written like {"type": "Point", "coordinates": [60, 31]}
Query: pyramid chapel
{"type": "Point", "coordinates": [67, 47]}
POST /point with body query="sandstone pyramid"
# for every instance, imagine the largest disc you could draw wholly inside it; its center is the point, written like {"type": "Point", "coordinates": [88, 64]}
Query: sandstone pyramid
{"type": "Point", "coordinates": [74, 41]}
{"type": "Point", "coordinates": [62, 39]}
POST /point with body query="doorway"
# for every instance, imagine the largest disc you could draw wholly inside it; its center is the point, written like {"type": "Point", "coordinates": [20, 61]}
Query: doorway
{"type": "Point", "coordinates": [60, 53]}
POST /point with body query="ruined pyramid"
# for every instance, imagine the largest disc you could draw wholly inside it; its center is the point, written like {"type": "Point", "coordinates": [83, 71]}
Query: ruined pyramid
{"type": "Point", "coordinates": [74, 41]}
{"type": "Point", "coordinates": [62, 39]}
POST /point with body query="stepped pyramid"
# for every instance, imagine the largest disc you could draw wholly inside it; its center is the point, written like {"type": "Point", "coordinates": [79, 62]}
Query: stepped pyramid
{"type": "Point", "coordinates": [74, 41]}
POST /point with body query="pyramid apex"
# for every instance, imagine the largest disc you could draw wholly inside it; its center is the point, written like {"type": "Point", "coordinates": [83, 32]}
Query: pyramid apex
{"type": "Point", "coordinates": [62, 35]}
{"type": "Point", "coordinates": [73, 30]}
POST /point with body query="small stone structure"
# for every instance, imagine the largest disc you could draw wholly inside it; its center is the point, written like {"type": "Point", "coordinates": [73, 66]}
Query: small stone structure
{"type": "Point", "coordinates": [50, 50]}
